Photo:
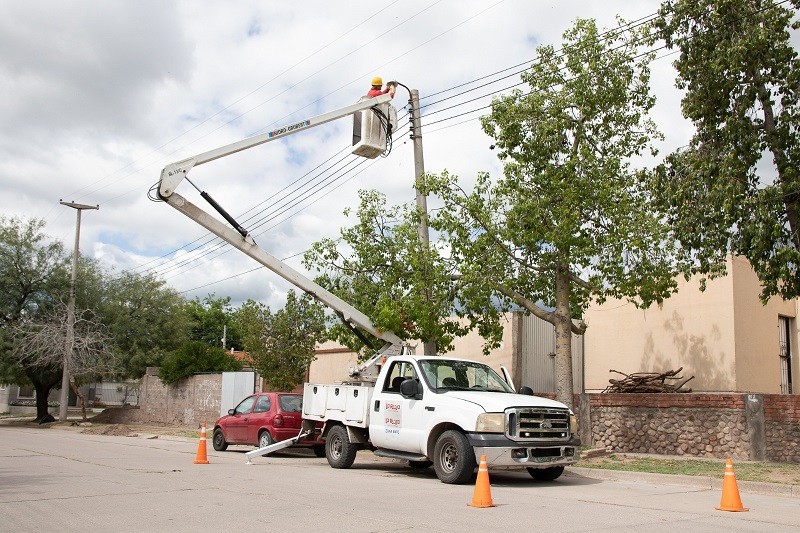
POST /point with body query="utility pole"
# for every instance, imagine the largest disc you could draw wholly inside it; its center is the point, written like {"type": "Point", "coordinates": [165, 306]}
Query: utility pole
{"type": "Point", "coordinates": [429, 346]}
{"type": "Point", "coordinates": [65, 379]}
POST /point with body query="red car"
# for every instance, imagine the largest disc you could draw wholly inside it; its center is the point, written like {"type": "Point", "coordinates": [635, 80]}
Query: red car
{"type": "Point", "coordinates": [263, 419]}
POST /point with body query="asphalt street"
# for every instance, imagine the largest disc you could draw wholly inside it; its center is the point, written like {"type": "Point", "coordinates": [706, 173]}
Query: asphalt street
{"type": "Point", "coordinates": [61, 479]}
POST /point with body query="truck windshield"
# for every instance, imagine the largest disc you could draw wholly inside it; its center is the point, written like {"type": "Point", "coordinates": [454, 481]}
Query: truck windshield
{"type": "Point", "coordinates": [449, 374]}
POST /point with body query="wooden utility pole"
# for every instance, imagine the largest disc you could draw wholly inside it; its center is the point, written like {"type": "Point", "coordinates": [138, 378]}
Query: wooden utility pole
{"type": "Point", "coordinates": [65, 379]}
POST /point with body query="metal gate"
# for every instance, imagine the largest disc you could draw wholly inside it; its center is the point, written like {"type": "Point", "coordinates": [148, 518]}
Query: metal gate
{"type": "Point", "coordinates": [785, 353]}
{"type": "Point", "coordinates": [538, 340]}
{"type": "Point", "coordinates": [236, 386]}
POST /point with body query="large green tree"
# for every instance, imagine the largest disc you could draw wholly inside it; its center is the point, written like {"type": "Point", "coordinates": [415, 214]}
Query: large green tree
{"type": "Point", "coordinates": [33, 277]}
{"type": "Point", "coordinates": [736, 187]}
{"type": "Point", "coordinates": [211, 319]}
{"type": "Point", "coordinates": [569, 221]}
{"type": "Point", "coordinates": [281, 345]}
{"type": "Point", "coordinates": [146, 319]}
{"type": "Point", "coordinates": [381, 268]}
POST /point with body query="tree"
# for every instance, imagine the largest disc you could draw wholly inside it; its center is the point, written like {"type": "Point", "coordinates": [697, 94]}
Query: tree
{"type": "Point", "coordinates": [722, 193]}
{"type": "Point", "coordinates": [281, 345]}
{"type": "Point", "coordinates": [212, 318]}
{"type": "Point", "coordinates": [195, 357]}
{"type": "Point", "coordinates": [389, 276]}
{"type": "Point", "coordinates": [40, 343]}
{"type": "Point", "coordinates": [33, 274]}
{"type": "Point", "coordinates": [570, 220]}
{"type": "Point", "coordinates": [145, 318]}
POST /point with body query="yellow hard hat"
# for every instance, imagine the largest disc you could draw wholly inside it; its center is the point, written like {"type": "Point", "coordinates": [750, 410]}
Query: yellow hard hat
{"type": "Point", "coordinates": [377, 80]}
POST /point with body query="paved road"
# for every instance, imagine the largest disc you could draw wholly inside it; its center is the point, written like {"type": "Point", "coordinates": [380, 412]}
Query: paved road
{"type": "Point", "coordinates": [60, 479]}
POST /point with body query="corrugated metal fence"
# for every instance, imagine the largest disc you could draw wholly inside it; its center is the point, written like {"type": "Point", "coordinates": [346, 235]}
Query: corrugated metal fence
{"type": "Point", "coordinates": [538, 344]}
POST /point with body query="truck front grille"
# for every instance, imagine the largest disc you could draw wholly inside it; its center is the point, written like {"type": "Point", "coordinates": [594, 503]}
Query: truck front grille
{"type": "Point", "coordinates": [537, 424]}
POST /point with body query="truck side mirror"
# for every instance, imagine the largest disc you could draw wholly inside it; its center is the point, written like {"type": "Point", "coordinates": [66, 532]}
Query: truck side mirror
{"type": "Point", "coordinates": [526, 391]}
{"type": "Point", "coordinates": [411, 388]}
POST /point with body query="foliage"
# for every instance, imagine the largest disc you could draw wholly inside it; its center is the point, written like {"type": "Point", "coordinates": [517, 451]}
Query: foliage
{"type": "Point", "coordinates": [570, 220]}
{"type": "Point", "coordinates": [281, 345]}
{"type": "Point", "coordinates": [736, 187]}
{"type": "Point", "coordinates": [196, 357]}
{"type": "Point", "coordinates": [33, 275]}
{"type": "Point", "coordinates": [389, 276]}
{"type": "Point", "coordinates": [145, 318]}
{"type": "Point", "coordinates": [210, 319]}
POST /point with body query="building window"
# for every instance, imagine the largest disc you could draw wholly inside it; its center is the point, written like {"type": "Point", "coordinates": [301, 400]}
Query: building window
{"type": "Point", "coordinates": [785, 353]}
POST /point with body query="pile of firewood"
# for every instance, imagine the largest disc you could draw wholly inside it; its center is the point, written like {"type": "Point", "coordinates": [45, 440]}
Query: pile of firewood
{"type": "Point", "coordinates": [649, 382]}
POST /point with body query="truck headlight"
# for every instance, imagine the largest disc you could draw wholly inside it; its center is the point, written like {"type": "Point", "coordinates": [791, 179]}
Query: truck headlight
{"type": "Point", "coordinates": [573, 424]}
{"type": "Point", "coordinates": [490, 423]}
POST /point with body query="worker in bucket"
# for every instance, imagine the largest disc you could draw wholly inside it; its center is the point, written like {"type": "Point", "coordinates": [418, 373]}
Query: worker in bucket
{"type": "Point", "coordinates": [377, 83]}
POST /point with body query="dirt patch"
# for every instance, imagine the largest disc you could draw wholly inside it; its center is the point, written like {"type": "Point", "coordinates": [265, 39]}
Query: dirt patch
{"type": "Point", "coordinates": [115, 415]}
{"type": "Point", "coordinates": [119, 430]}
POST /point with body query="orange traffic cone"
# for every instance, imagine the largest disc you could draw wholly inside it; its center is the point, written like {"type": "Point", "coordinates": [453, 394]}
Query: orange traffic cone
{"type": "Point", "coordinates": [202, 457]}
{"type": "Point", "coordinates": [482, 497]}
{"type": "Point", "coordinates": [730, 491]}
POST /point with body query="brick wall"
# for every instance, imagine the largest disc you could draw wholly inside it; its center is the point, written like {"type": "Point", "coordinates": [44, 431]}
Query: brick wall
{"type": "Point", "coordinates": [186, 403]}
{"type": "Point", "coordinates": [740, 426]}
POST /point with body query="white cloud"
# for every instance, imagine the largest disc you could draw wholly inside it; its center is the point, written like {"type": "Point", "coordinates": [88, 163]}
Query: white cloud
{"type": "Point", "coordinates": [99, 96]}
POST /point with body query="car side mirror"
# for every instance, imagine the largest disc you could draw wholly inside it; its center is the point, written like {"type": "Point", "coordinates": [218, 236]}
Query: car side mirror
{"type": "Point", "coordinates": [526, 391]}
{"type": "Point", "coordinates": [411, 388]}
{"type": "Point", "coordinates": [231, 411]}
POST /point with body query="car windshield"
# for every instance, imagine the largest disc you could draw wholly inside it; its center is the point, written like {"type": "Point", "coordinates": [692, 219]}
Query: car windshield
{"type": "Point", "coordinates": [450, 374]}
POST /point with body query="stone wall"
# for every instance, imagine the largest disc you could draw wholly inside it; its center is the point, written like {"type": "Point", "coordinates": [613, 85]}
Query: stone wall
{"type": "Point", "coordinates": [188, 402]}
{"type": "Point", "coordinates": [741, 426]}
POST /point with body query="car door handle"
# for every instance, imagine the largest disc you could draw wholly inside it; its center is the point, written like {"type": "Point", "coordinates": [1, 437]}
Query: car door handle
{"type": "Point", "coordinates": [430, 408]}
{"type": "Point", "coordinates": [377, 406]}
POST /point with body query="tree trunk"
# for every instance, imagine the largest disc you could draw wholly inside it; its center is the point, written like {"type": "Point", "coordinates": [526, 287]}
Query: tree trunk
{"type": "Point", "coordinates": [42, 392]}
{"type": "Point", "coordinates": [43, 379]}
{"type": "Point", "coordinates": [79, 396]}
{"type": "Point", "coordinates": [563, 327]}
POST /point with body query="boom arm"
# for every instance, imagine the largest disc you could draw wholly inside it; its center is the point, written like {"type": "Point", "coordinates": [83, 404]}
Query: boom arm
{"type": "Point", "coordinates": [174, 173]}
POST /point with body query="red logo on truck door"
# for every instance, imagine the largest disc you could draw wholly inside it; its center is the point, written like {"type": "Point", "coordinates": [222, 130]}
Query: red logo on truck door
{"type": "Point", "coordinates": [392, 418]}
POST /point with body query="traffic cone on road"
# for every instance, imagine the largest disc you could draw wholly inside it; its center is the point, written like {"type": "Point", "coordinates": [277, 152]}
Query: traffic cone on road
{"type": "Point", "coordinates": [202, 457]}
{"type": "Point", "coordinates": [730, 491]}
{"type": "Point", "coordinates": [482, 497]}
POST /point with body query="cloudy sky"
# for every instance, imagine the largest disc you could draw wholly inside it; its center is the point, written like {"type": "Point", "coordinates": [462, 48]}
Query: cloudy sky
{"type": "Point", "coordinates": [99, 96]}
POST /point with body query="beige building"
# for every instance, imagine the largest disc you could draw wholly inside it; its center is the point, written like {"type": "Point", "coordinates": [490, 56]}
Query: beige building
{"type": "Point", "coordinates": [724, 337]}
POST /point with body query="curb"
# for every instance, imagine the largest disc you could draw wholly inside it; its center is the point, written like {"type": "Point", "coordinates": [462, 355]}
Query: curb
{"type": "Point", "coordinates": [699, 482]}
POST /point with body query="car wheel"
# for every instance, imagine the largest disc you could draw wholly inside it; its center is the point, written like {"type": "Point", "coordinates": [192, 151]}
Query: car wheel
{"type": "Point", "coordinates": [420, 464]}
{"type": "Point", "coordinates": [219, 441]}
{"type": "Point", "coordinates": [546, 474]}
{"type": "Point", "coordinates": [264, 439]}
{"type": "Point", "coordinates": [340, 452]}
{"type": "Point", "coordinates": [453, 458]}
{"type": "Point", "coordinates": [319, 450]}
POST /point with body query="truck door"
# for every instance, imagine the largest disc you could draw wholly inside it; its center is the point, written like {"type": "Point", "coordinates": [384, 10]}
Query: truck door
{"type": "Point", "coordinates": [397, 423]}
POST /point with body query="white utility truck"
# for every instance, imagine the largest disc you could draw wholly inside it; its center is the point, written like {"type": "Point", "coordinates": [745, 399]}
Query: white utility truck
{"type": "Point", "coordinates": [427, 410]}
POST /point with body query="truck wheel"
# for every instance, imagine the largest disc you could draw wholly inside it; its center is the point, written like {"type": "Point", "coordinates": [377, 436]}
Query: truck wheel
{"type": "Point", "coordinates": [453, 458]}
{"type": "Point", "coordinates": [219, 441]}
{"type": "Point", "coordinates": [546, 474]}
{"type": "Point", "coordinates": [340, 452]}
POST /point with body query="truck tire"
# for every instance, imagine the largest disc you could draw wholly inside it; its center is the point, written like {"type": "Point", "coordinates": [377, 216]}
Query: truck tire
{"type": "Point", "coordinates": [453, 458]}
{"type": "Point", "coordinates": [340, 452]}
{"type": "Point", "coordinates": [546, 474]}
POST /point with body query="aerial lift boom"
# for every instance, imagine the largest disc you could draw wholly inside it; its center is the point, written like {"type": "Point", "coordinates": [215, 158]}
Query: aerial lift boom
{"type": "Point", "coordinates": [174, 173]}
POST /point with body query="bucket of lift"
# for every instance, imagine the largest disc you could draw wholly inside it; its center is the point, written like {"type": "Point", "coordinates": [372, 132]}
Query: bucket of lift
{"type": "Point", "coordinates": [372, 129]}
